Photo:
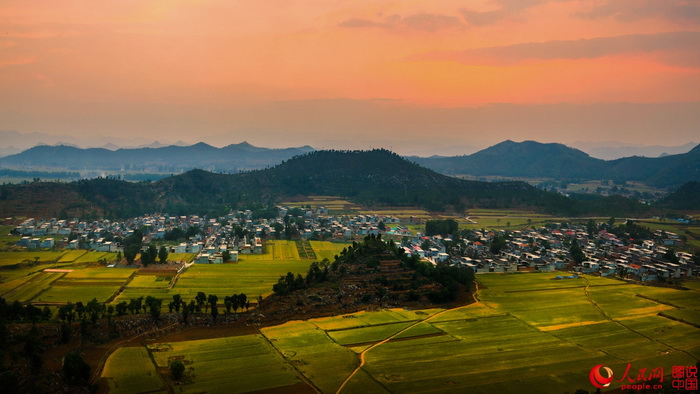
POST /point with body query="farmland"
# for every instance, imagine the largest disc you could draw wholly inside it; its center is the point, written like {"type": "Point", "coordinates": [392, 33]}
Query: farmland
{"type": "Point", "coordinates": [253, 275]}
{"type": "Point", "coordinates": [130, 370]}
{"type": "Point", "coordinates": [526, 333]}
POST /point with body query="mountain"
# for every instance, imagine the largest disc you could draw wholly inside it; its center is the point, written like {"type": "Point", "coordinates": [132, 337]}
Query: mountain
{"type": "Point", "coordinates": [371, 177]}
{"type": "Point", "coordinates": [612, 150]}
{"type": "Point", "coordinates": [170, 158]}
{"type": "Point", "coordinates": [525, 159]}
{"type": "Point", "coordinates": [376, 177]}
{"type": "Point", "coordinates": [538, 160]}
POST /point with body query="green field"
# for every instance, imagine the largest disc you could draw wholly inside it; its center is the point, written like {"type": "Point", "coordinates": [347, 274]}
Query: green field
{"type": "Point", "coordinates": [130, 370]}
{"type": "Point", "coordinates": [528, 333]}
{"type": "Point", "coordinates": [10, 258]}
{"type": "Point", "coordinates": [252, 275]}
{"type": "Point", "coordinates": [186, 257]}
{"type": "Point", "coordinates": [327, 250]}
{"type": "Point", "coordinates": [231, 364]}
{"type": "Point", "coordinates": [321, 360]}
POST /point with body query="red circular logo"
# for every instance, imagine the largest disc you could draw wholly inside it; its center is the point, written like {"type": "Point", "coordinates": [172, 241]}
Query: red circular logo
{"type": "Point", "coordinates": [597, 379]}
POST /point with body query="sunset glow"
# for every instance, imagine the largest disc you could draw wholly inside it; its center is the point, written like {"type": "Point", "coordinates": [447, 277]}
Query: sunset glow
{"type": "Point", "coordinates": [326, 73]}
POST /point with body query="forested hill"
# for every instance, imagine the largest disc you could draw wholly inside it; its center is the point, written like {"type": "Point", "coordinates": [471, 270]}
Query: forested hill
{"type": "Point", "coordinates": [376, 177]}
{"type": "Point", "coordinates": [369, 177]}
{"type": "Point", "coordinates": [173, 158]}
{"type": "Point", "coordinates": [537, 160]}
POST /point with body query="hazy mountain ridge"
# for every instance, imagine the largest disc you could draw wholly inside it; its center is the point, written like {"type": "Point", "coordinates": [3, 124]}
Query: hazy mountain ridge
{"type": "Point", "coordinates": [171, 158]}
{"type": "Point", "coordinates": [377, 177]}
{"type": "Point", "coordinates": [537, 160]}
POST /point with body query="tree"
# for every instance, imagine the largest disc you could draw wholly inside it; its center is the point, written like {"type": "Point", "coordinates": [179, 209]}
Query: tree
{"type": "Point", "coordinates": [591, 227]}
{"type": "Point", "coordinates": [177, 369]}
{"type": "Point", "coordinates": [497, 244]}
{"type": "Point", "coordinates": [576, 252]}
{"type": "Point", "coordinates": [201, 298]}
{"type": "Point", "coordinates": [163, 255]}
{"type": "Point", "coordinates": [177, 302]}
{"type": "Point", "coordinates": [46, 313]}
{"type": "Point", "coordinates": [442, 227]}
{"type": "Point", "coordinates": [75, 369]}
{"type": "Point", "coordinates": [154, 305]}
{"type": "Point", "coordinates": [212, 299]}
{"type": "Point", "coordinates": [79, 309]}
{"type": "Point", "coordinates": [132, 245]}
{"type": "Point", "coordinates": [279, 228]}
{"type": "Point", "coordinates": [670, 255]}
{"type": "Point", "coordinates": [226, 256]}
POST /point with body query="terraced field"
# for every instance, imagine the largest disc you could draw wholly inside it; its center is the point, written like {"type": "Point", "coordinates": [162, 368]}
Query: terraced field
{"type": "Point", "coordinates": [528, 333]}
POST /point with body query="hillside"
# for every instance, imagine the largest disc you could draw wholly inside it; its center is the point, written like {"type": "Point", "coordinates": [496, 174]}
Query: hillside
{"type": "Point", "coordinates": [174, 158]}
{"type": "Point", "coordinates": [376, 177]}
{"type": "Point", "coordinates": [369, 274]}
{"type": "Point", "coordinates": [369, 177]}
{"type": "Point", "coordinates": [686, 197]}
{"type": "Point", "coordinates": [537, 160]}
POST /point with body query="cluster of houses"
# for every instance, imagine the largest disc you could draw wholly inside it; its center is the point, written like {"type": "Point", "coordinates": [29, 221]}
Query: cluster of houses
{"type": "Point", "coordinates": [547, 249]}
{"type": "Point", "coordinates": [218, 240]}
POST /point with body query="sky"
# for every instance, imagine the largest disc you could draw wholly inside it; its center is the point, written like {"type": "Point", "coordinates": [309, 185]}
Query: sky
{"type": "Point", "coordinates": [418, 77]}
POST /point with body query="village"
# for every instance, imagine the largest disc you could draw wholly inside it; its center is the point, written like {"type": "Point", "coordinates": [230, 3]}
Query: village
{"type": "Point", "coordinates": [224, 239]}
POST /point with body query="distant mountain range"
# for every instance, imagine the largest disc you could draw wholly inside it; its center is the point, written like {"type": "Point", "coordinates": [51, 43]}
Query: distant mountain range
{"type": "Point", "coordinates": [616, 150]}
{"type": "Point", "coordinates": [530, 159]}
{"type": "Point", "coordinates": [376, 177]}
{"type": "Point", "coordinates": [172, 158]}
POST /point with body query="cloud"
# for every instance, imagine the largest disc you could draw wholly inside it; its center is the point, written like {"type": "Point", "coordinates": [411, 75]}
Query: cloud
{"type": "Point", "coordinates": [673, 42]}
{"type": "Point", "coordinates": [419, 22]}
{"type": "Point", "coordinates": [633, 10]}
{"type": "Point", "coordinates": [16, 61]}
{"type": "Point", "coordinates": [507, 10]}
{"type": "Point", "coordinates": [355, 23]}
{"type": "Point", "coordinates": [431, 22]}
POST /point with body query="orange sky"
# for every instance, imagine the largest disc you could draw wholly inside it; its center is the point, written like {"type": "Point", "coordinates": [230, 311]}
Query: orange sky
{"type": "Point", "coordinates": [353, 73]}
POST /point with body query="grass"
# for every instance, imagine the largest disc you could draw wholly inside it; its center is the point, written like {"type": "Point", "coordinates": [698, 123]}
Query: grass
{"type": "Point", "coordinates": [150, 281]}
{"type": "Point", "coordinates": [11, 258]}
{"type": "Point", "coordinates": [75, 293]}
{"type": "Point", "coordinates": [130, 370]}
{"type": "Point", "coordinates": [93, 257]}
{"type": "Point", "coordinates": [33, 287]}
{"type": "Point", "coordinates": [231, 364]}
{"type": "Point", "coordinates": [328, 250]}
{"type": "Point", "coordinates": [366, 334]}
{"type": "Point", "coordinates": [251, 277]}
{"type": "Point", "coordinates": [186, 257]}
{"type": "Point", "coordinates": [101, 273]}
{"type": "Point", "coordinates": [529, 333]}
{"type": "Point", "coordinates": [321, 360]}
{"type": "Point", "coordinates": [72, 256]}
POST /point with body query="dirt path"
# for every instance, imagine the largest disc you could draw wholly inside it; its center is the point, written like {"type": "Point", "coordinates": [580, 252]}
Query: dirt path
{"type": "Point", "coordinates": [364, 352]}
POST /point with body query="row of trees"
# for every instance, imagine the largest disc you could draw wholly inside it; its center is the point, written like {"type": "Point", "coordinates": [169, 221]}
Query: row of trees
{"type": "Point", "coordinates": [441, 227]}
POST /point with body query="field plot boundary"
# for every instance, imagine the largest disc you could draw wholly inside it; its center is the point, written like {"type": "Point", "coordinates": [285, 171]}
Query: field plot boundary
{"type": "Point", "coordinates": [667, 316]}
{"type": "Point", "coordinates": [293, 365]}
{"type": "Point", "coordinates": [658, 301]}
{"type": "Point", "coordinates": [590, 299]}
